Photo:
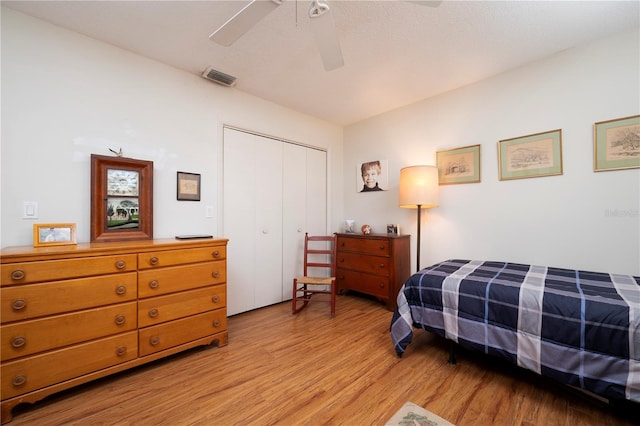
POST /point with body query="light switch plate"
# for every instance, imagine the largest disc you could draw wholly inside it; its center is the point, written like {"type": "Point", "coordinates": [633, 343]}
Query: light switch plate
{"type": "Point", "coordinates": [30, 210]}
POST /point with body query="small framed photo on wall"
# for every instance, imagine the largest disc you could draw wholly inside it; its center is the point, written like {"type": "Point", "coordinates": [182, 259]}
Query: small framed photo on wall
{"type": "Point", "coordinates": [188, 186]}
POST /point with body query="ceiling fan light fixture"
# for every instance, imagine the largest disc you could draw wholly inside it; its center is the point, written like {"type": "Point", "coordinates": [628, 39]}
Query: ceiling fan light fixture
{"type": "Point", "coordinates": [219, 77]}
{"type": "Point", "coordinates": [324, 31]}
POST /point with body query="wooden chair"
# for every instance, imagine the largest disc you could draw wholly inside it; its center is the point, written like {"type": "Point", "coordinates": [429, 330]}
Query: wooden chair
{"type": "Point", "coordinates": [319, 257]}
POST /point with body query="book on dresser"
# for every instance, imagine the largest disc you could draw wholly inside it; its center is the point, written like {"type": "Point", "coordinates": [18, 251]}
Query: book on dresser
{"type": "Point", "coordinates": [373, 264]}
{"type": "Point", "coordinates": [107, 306]}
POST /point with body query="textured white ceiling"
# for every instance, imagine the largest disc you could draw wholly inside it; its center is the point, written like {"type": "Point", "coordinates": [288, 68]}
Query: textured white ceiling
{"type": "Point", "coordinates": [395, 52]}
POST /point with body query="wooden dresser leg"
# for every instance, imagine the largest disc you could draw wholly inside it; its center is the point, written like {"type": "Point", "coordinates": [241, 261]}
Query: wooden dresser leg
{"type": "Point", "coordinates": [6, 412]}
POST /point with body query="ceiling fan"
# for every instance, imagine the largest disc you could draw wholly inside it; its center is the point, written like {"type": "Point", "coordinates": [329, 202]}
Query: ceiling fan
{"type": "Point", "coordinates": [320, 16]}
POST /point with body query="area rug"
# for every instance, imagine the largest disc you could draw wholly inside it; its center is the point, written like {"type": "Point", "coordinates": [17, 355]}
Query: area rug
{"type": "Point", "coordinates": [413, 415]}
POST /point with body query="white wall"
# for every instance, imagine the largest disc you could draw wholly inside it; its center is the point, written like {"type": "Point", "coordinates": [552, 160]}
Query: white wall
{"type": "Point", "coordinates": [66, 96]}
{"type": "Point", "coordinates": [581, 219]}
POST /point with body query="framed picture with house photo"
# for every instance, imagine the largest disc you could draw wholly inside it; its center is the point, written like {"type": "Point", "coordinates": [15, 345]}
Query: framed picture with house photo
{"type": "Point", "coordinates": [121, 199]}
{"type": "Point", "coordinates": [616, 144]}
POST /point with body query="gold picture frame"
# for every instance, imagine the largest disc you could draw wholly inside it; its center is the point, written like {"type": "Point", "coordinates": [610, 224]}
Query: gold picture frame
{"type": "Point", "coordinates": [54, 234]}
{"type": "Point", "coordinates": [459, 165]}
{"type": "Point", "coordinates": [536, 155]}
{"type": "Point", "coordinates": [121, 199]}
{"type": "Point", "coordinates": [616, 144]}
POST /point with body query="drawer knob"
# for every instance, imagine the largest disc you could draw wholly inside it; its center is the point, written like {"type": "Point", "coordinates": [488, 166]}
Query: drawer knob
{"type": "Point", "coordinates": [18, 274]}
{"type": "Point", "coordinates": [154, 261]}
{"type": "Point", "coordinates": [120, 319]}
{"type": "Point", "coordinates": [120, 290]}
{"type": "Point", "coordinates": [121, 350]}
{"type": "Point", "coordinates": [18, 342]}
{"type": "Point", "coordinates": [153, 312]}
{"type": "Point", "coordinates": [19, 380]}
{"type": "Point", "coordinates": [154, 340]}
{"type": "Point", "coordinates": [121, 264]}
{"type": "Point", "coordinates": [216, 274]}
{"type": "Point", "coordinates": [382, 247]}
{"type": "Point", "coordinates": [18, 304]}
{"type": "Point", "coordinates": [216, 323]}
{"type": "Point", "coordinates": [382, 266]}
{"type": "Point", "coordinates": [215, 298]}
{"type": "Point", "coordinates": [216, 254]}
{"type": "Point", "coordinates": [153, 284]}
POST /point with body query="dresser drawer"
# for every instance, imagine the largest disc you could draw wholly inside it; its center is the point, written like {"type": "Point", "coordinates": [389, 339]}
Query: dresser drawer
{"type": "Point", "coordinates": [371, 264]}
{"type": "Point", "coordinates": [35, 372]}
{"type": "Point", "coordinates": [374, 285]}
{"type": "Point", "coordinates": [37, 300]}
{"type": "Point", "coordinates": [160, 309]}
{"type": "Point", "coordinates": [164, 336]}
{"type": "Point", "coordinates": [375, 247]}
{"type": "Point", "coordinates": [160, 259]}
{"type": "Point", "coordinates": [153, 282]}
{"type": "Point", "coordinates": [32, 336]}
{"type": "Point", "coordinates": [53, 270]}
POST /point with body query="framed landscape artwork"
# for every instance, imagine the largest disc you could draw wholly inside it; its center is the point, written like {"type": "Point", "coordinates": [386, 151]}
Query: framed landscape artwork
{"type": "Point", "coordinates": [459, 165]}
{"type": "Point", "coordinates": [121, 199]}
{"type": "Point", "coordinates": [530, 156]}
{"type": "Point", "coordinates": [617, 144]}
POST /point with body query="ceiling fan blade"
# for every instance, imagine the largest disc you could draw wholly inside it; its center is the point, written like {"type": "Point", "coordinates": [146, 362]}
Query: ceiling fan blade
{"type": "Point", "coordinates": [243, 21]}
{"type": "Point", "coordinates": [429, 3]}
{"type": "Point", "coordinates": [324, 30]}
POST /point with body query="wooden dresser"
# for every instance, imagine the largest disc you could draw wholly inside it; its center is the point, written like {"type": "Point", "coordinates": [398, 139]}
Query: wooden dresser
{"type": "Point", "coordinates": [71, 314]}
{"type": "Point", "coordinates": [375, 264]}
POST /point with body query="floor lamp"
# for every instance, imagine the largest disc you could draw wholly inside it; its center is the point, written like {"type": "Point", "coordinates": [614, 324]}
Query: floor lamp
{"type": "Point", "coordinates": [419, 189]}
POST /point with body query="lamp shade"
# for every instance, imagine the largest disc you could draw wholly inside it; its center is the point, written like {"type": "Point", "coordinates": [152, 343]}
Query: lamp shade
{"type": "Point", "coordinates": [419, 187]}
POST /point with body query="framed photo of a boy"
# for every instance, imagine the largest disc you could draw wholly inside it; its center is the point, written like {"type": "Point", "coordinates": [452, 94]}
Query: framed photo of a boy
{"type": "Point", "coordinates": [616, 144]}
{"type": "Point", "coordinates": [372, 176]}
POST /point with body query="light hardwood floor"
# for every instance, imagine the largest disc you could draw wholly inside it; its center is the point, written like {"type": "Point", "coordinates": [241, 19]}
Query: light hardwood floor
{"type": "Point", "coordinates": [310, 369]}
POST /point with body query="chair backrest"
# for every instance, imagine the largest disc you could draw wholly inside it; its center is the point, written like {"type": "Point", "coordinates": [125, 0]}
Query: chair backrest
{"type": "Point", "coordinates": [319, 255]}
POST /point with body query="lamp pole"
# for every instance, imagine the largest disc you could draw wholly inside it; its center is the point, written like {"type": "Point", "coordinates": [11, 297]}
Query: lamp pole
{"type": "Point", "coordinates": [418, 240]}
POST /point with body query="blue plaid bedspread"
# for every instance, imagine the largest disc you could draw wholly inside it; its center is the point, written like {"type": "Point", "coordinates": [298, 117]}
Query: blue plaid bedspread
{"type": "Point", "coordinates": [580, 328]}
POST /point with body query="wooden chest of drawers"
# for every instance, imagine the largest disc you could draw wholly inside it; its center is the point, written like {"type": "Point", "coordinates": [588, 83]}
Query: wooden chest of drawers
{"type": "Point", "coordinates": [376, 264]}
{"type": "Point", "coordinates": [71, 314]}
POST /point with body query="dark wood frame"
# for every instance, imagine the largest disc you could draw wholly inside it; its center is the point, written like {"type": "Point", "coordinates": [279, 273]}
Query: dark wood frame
{"type": "Point", "coordinates": [99, 197]}
{"type": "Point", "coordinates": [185, 195]}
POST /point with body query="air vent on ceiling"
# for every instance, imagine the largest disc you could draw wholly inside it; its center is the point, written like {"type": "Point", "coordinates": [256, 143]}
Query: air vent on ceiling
{"type": "Point", "coordinates": [219, 77]}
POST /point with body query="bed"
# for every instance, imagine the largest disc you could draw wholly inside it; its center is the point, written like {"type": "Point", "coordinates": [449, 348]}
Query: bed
{"type": "Point", "coordinates": [580, 328]}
